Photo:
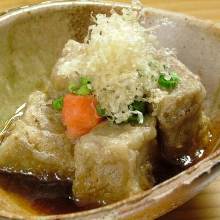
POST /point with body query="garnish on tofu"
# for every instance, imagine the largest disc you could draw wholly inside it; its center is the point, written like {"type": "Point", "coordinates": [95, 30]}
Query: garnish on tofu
{"type": "Point", "coordinates": [57, 104]}
{"type": "Point", "coordinates": [85, 81]}
{"type": "Point", "coordinates": [168, 81]}
{"type": "Point", "coordinates": [84, 90]}
{"type": "Point", "coordinates": [79, 114]}
{"type": "Point", "coordinates": [138, 110]}
{"type": "Point", "coordinates": [84, 87]}
{"type": "Point", "coordinates": [101, 111]}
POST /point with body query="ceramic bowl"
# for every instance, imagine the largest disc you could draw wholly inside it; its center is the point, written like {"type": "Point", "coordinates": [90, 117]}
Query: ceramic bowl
{"type": "Point", "coordinates": [31, 39]}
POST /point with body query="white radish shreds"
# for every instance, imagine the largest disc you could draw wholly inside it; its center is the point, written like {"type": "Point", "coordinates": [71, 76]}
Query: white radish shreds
{"type": "Point", "coordinates": [65, 70]}
{"type": "Point", "coordinates": [117, 49]}
{"type": "Point", "coordinates": [118, 58]}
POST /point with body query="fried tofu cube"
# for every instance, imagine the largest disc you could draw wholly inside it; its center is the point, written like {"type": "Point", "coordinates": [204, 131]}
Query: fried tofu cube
{"type": "Point", "coordinates": [37, 143]}
{"type": "Point", "coordinates": [113, 162]}
{"type": "Point", "coordinates": [65, 70]}
{"type": "Point", "coordinates": [179, 113]}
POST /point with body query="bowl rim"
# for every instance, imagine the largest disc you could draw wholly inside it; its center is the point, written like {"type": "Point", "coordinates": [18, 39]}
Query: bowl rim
{"type": "Point", "coordinates": [123, 208]}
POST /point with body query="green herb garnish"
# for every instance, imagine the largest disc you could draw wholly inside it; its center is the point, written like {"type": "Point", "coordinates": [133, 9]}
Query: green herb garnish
{"type": "Point", "coordinates": [138, 106]}
{"type": "Point", "coordinates": [101, 111]}
{"type": "Point", "coordinates": [133, 119]}
{"type": "Point", "coordinates": [84, 80]}
{"type": "Point", "coordinates": [84, 90]}
{"type": "Point", "coordinates": [168, 81]}
{"type": "Point", "coordinates": [139, 109]}
{"type": "Point", "coordinates": [57, 104]}
{"type": "Point", "coordinates": [136, 118]}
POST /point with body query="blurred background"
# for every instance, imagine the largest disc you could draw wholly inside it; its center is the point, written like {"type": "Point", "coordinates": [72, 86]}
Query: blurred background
{"type": "Point", "coordinates": [205, 206]}
{"type": "Point", "coordinates": [206, 9]}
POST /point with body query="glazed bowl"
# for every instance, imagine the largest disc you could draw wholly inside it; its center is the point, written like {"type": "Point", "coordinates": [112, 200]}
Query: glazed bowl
{"type": "Point", "coordinates": [31, 39]}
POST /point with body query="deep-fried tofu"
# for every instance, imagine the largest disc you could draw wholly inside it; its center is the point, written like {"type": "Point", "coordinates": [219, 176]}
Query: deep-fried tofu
{"type": "Point", "coordinates": [37, 143]}
{"type": "Point", "coordinates": [113, 162]}
{"type": "Point", "coordinates": [179, 112]}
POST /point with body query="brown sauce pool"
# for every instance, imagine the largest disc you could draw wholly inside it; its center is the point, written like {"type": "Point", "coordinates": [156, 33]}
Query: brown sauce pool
{"type": "Point", "coordinates": [55, 197]}
{"type": "Point", "coordinates": [45, 198]}
{"type": "Point", "coordinates": [164, 170]}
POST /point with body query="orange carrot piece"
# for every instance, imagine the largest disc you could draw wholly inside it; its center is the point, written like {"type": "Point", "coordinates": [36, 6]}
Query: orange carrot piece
{"type": "Point", "coordinates": [79, 114]}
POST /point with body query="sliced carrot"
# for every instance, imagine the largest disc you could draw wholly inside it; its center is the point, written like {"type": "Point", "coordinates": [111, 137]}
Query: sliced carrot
{"type": "Point", "coordinates": [79, 114]}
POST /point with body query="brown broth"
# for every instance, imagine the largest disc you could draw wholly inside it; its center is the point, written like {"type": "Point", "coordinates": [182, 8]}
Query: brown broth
{"type": "Point", "coordinates": [45, 198]}
{"type": "Point", "coordinates": [164, 170]}
{"type": "Point", "coordinates": [55, 197]}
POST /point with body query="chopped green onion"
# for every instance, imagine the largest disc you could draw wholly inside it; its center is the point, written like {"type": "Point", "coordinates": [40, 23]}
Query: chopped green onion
{"type": "Point", "coordinates": [84, 80]}
{"type": "Point", "coordinates": [138, 106]}
{"type": "Point", "coordinates": [136, 118]}
{"type": "Point", "coordinates": [133, 119]}
{"type": "Point", "coordinates": [84, 90]}
{"type": "Point", "coordinates": [73, 88]}
{"type": "Point", "coordinates": [85, 87]}
{"type": "Point", "coordinates": [57, 104]}
{"type": "Point", "coordinates": [138, 110]}
{"type": "Point", "coordinates": [168, 81]}
{"type": "Point", "coordinates": [101, 111]}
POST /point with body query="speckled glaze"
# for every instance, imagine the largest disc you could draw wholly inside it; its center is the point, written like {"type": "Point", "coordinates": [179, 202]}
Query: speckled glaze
{"type": "Point", "coordinates": [31, 39]}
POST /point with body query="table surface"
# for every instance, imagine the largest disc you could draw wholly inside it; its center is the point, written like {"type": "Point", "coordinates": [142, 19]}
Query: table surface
{"type": "Point", "coordinates": [206, 205]}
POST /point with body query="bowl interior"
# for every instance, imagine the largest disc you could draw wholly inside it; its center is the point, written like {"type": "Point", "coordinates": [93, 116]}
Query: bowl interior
{"type": "Point", "coordinates": [31, 40]}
